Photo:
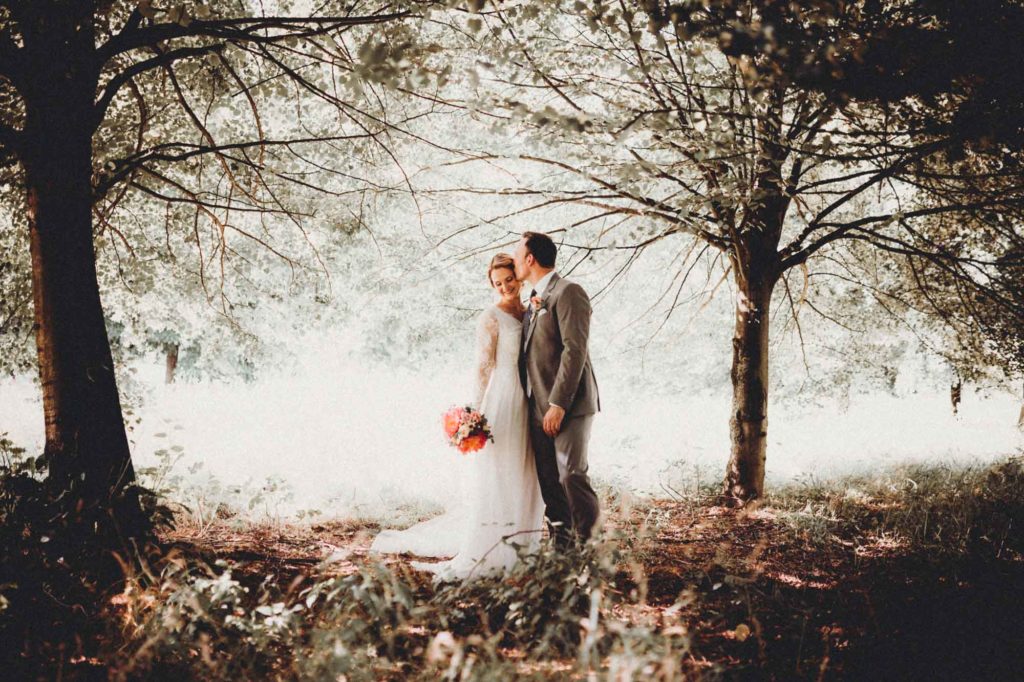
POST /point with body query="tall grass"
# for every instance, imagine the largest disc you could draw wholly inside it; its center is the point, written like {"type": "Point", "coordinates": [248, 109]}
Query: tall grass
{"type": "Point", "coordinates": [939, 509]}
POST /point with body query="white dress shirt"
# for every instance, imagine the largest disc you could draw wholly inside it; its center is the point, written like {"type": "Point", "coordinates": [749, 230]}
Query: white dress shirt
{"type": "Point", "coordinates": [542, 285]}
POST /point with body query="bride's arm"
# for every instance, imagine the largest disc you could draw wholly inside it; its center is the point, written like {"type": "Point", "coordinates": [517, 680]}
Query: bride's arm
{"type": "Point", "coordinates": [486, 352]}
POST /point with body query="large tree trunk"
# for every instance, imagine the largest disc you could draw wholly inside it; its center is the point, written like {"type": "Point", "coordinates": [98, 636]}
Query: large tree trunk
{"type": "Point", "coordinates": [86, 445]}
{"type": "Point", "coordinates": [748, 421]}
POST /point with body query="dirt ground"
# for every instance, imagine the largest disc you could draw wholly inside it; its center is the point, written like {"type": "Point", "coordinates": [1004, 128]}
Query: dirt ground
{"type": "Point", "coordinates": [759, 599]}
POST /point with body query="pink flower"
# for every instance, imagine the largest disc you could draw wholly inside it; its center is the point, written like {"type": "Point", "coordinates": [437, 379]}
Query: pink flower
{"type": "Point", "coordinates": [452, 420]}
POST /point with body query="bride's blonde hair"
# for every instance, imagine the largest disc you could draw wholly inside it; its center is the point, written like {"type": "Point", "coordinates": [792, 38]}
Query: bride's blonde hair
{"type": "Point", "coordinates": [500, 260]}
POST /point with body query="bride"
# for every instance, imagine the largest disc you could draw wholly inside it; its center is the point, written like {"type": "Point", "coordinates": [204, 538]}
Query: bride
{"type": "Point", "coordinates": [504, 508]}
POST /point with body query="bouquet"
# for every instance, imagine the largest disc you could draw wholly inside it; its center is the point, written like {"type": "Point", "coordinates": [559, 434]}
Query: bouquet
{"type": "Point", "coordinates": [466, 429]}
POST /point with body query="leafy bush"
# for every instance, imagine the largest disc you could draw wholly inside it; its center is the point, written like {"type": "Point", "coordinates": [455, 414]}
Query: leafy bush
{"type": "Point", "coordinates": [538, 606]}
{"type": "Point", "coordinates": [59, 563]}
{"type": "Point", "coordinates": [553, 612]}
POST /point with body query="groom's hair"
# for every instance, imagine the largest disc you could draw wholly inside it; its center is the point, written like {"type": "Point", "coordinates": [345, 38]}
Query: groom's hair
{"type": "Point", "coordinates": [542, 248]}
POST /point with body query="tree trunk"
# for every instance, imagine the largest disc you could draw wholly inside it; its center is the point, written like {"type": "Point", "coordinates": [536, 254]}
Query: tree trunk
{"type": "Point", "coordinates": [1020, 419]}
{"type": "Point", "coordinates": [748, 421]}
{"type": "Point", "coordinates": [86, 445]}
{"type": "Point", "coordinates": [754, 257]}
{"type": "Point", "coordinates": [172, 362]}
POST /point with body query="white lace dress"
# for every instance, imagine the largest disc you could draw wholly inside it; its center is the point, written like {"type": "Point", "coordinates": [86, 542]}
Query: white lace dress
{"type": "Point", "coordinates": [504, 506]}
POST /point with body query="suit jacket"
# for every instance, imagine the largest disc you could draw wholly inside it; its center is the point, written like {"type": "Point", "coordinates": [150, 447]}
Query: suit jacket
{"type": "Point", "coordinates": [554, 352]}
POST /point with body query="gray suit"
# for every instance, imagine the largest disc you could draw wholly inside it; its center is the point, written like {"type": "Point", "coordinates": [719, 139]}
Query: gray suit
{"type": "Point", "coordinates": [554, 367]}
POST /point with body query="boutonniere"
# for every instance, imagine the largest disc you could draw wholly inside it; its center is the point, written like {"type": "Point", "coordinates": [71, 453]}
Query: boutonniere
{"type": "Point", "coordinates": [539, 305]}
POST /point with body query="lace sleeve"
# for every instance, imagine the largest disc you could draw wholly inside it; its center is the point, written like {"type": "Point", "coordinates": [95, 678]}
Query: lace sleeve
{"type": "Point", "coordinates": [486, 353]}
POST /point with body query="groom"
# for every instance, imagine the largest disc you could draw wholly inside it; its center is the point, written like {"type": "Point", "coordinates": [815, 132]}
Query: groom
{"type": "Point", "coordinates": [554, 367]}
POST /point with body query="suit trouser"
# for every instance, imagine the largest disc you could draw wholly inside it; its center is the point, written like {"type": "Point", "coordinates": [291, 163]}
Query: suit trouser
{"type": "Point", "coordinates": [568, 496]}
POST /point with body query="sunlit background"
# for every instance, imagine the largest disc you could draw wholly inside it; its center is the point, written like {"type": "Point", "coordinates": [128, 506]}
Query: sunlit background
{"type": "Point", "coordinates": [340, 415]}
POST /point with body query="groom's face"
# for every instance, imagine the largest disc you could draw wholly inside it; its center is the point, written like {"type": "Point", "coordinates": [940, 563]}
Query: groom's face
{"type": "Point", "coordinates": [519, 259]}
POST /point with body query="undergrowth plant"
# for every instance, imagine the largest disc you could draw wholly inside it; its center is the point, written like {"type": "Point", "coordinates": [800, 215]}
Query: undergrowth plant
{"type": "Point", "coordinates": [554, 607]}
{"type": "Point", "coordinates": [923, 508]}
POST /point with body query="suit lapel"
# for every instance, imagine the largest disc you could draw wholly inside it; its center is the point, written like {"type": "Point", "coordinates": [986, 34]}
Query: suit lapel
{"type": "Point", "coordinates": [529, 331]}
{"type": "Point", "coordinates": [552, 283]}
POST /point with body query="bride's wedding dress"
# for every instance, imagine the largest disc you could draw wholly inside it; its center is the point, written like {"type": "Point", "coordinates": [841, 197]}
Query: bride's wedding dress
{"type": "Point", "coordinates": [503, 506]}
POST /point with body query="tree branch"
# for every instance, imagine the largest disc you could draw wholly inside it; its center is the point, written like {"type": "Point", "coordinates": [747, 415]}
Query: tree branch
{"type": "Point", "coordinates": [237, 29]}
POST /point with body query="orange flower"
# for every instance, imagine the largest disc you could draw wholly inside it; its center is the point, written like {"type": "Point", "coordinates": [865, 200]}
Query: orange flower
{"type": "Point", "coordinates": [472, 443]}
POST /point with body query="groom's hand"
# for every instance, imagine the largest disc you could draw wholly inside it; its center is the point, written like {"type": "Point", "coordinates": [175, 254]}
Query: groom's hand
{"type": "Point", "coordinates": [553, 420]}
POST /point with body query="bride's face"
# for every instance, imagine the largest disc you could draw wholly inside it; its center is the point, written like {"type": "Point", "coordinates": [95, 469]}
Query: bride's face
{"type": "Point", "coordinates": [505, 283]}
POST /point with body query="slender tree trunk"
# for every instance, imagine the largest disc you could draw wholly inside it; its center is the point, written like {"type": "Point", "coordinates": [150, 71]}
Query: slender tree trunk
{"type": "Point", "coordinates": [1020, 419]}
{"type": "Point", "coordinates": [172, 362]}
{"type": "Point", "coordinates": [86, 445]}
{"type": "Point", "coordinates": [755, 261]}
{"type": "Point", "coordinates": [748, 421]}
